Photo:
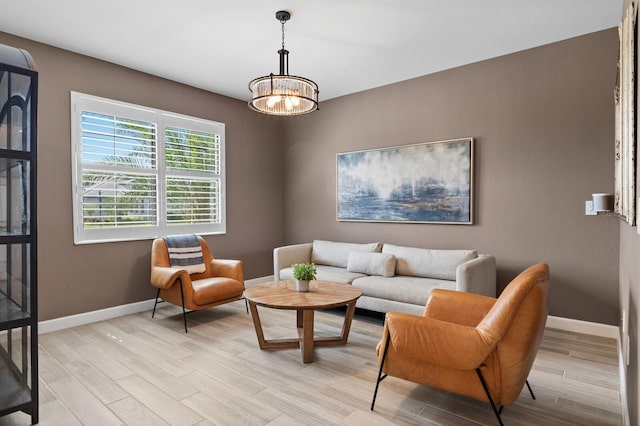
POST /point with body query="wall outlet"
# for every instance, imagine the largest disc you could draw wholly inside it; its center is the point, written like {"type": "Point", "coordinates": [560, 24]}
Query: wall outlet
{"type": "Point", "coordinates": [588, 208]}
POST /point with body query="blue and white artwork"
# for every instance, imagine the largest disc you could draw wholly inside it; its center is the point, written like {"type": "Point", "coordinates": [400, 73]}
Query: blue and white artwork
{"type": "Point", "coordinates": [430, 182]}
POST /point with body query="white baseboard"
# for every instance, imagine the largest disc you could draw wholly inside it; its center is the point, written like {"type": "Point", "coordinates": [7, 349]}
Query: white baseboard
{"type": "Point", "coordinates": [93, 316]}
{"type": "Point", "coordinates": [584, 327]}
{"type": "Point", "coordinates": [116, 311]}
{"type": "Point", "coordinates": [566, 324]}
{"type": "Point", "coordinates": [260, 280]}
{"type": "Point", "coordinates": [601, 330]}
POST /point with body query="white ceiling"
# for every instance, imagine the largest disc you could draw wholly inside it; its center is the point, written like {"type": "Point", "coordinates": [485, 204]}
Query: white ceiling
{"type": "Point", "coordinates": [344, 45]}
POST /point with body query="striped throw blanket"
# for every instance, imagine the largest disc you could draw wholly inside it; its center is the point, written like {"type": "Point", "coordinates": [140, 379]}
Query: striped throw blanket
{"type": "Point", "coordinates": [185, 253]}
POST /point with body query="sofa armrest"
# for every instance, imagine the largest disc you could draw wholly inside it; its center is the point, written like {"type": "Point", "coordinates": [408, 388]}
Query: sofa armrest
{"type": "Point", "coordinates": [284, 257]}
{"type": "Point", "coordinates": [477, 276]}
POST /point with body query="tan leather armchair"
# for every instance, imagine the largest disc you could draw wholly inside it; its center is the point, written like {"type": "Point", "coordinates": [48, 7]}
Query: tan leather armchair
{"type": "Point", "coordinates": [468, 344]}
{"type": "Point", "coordinates": [221, 282]}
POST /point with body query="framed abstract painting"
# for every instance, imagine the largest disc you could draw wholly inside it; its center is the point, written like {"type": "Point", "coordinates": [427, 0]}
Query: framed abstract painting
{"type": "Point", "coordinates": [422, 183]}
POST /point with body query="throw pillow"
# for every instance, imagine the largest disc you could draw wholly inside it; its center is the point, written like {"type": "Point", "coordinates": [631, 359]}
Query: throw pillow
{"type": "Point", "coordinates": [372, 263]}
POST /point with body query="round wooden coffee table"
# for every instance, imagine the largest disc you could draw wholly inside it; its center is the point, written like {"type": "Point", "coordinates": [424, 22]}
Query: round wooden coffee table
{"type": "Point", "coordinates": [321, 295]}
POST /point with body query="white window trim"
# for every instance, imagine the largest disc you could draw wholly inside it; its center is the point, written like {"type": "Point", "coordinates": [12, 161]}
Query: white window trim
{"type": "Point", "coordinates": [83, 102]}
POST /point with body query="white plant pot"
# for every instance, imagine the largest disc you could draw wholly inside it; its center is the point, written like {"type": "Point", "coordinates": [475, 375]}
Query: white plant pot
{"type": "Point", "coordinates": [302, 285]}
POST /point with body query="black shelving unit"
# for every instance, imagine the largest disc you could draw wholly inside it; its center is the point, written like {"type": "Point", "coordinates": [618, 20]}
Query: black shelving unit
{"type": "Point", "coordinates": [18, 236]}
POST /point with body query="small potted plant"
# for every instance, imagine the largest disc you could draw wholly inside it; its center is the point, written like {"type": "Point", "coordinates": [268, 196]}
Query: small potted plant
{"type": "Point", "coordinates": [303, 273]}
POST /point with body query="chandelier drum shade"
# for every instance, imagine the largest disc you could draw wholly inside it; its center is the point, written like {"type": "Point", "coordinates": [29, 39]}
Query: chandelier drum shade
{"type": "Point", "coordinates": [283, 94]}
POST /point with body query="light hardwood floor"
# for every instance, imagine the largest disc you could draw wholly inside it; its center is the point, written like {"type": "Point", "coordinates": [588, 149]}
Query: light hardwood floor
{"type": "Point", "coordinates": [137, 371]}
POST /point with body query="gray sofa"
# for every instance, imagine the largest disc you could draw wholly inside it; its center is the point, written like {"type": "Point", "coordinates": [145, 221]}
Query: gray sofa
{"type": "Point", "coordinates": [392, 278]}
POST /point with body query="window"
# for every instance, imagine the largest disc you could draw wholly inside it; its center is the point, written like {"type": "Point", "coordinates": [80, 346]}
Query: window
{"type": "Point", "coordinates": [140, 173]}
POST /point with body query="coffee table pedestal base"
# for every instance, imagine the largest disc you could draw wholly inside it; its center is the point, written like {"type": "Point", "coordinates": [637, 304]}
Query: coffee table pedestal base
{"type": "Point", "coordinates": [306, 340]}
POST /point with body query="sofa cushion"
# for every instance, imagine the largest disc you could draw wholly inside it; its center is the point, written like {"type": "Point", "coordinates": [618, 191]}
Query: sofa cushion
{"type": "Point", "coordinates": [429, 263]}
{"type": "Point", "coordinates": [333, 253]}
{"type": "Point", "coordinates": [372, 263]}
{"type": "Point", "coordinates": [326, 273]}
{"type": "Point", "coordinates": [401, 289]}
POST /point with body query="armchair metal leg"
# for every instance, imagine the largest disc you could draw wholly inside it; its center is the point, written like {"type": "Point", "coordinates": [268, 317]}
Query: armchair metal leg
{"type": "Point", "coordinates": [486, 390]}
{"type": "Point", "coordinates": [246, 304]}
{"type": "Point", "coordinates": [530, 390]}
{"type": "Point", "coordinates": [155, 304]}
{"type": "Point", "coordinates": [381, 377]}
{"type": "Point", "coordinates": [184, 312]}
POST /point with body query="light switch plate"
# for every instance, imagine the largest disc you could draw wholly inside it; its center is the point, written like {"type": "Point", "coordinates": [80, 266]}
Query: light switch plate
{"type": "Point", "coordinates": [588, 208]}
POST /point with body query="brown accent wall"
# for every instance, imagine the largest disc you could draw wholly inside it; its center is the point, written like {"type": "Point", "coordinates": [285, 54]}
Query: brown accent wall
{"type": "Point", "coordinates": [542, 120]}
{"type": "Point", "coordinates": [75, 279]}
